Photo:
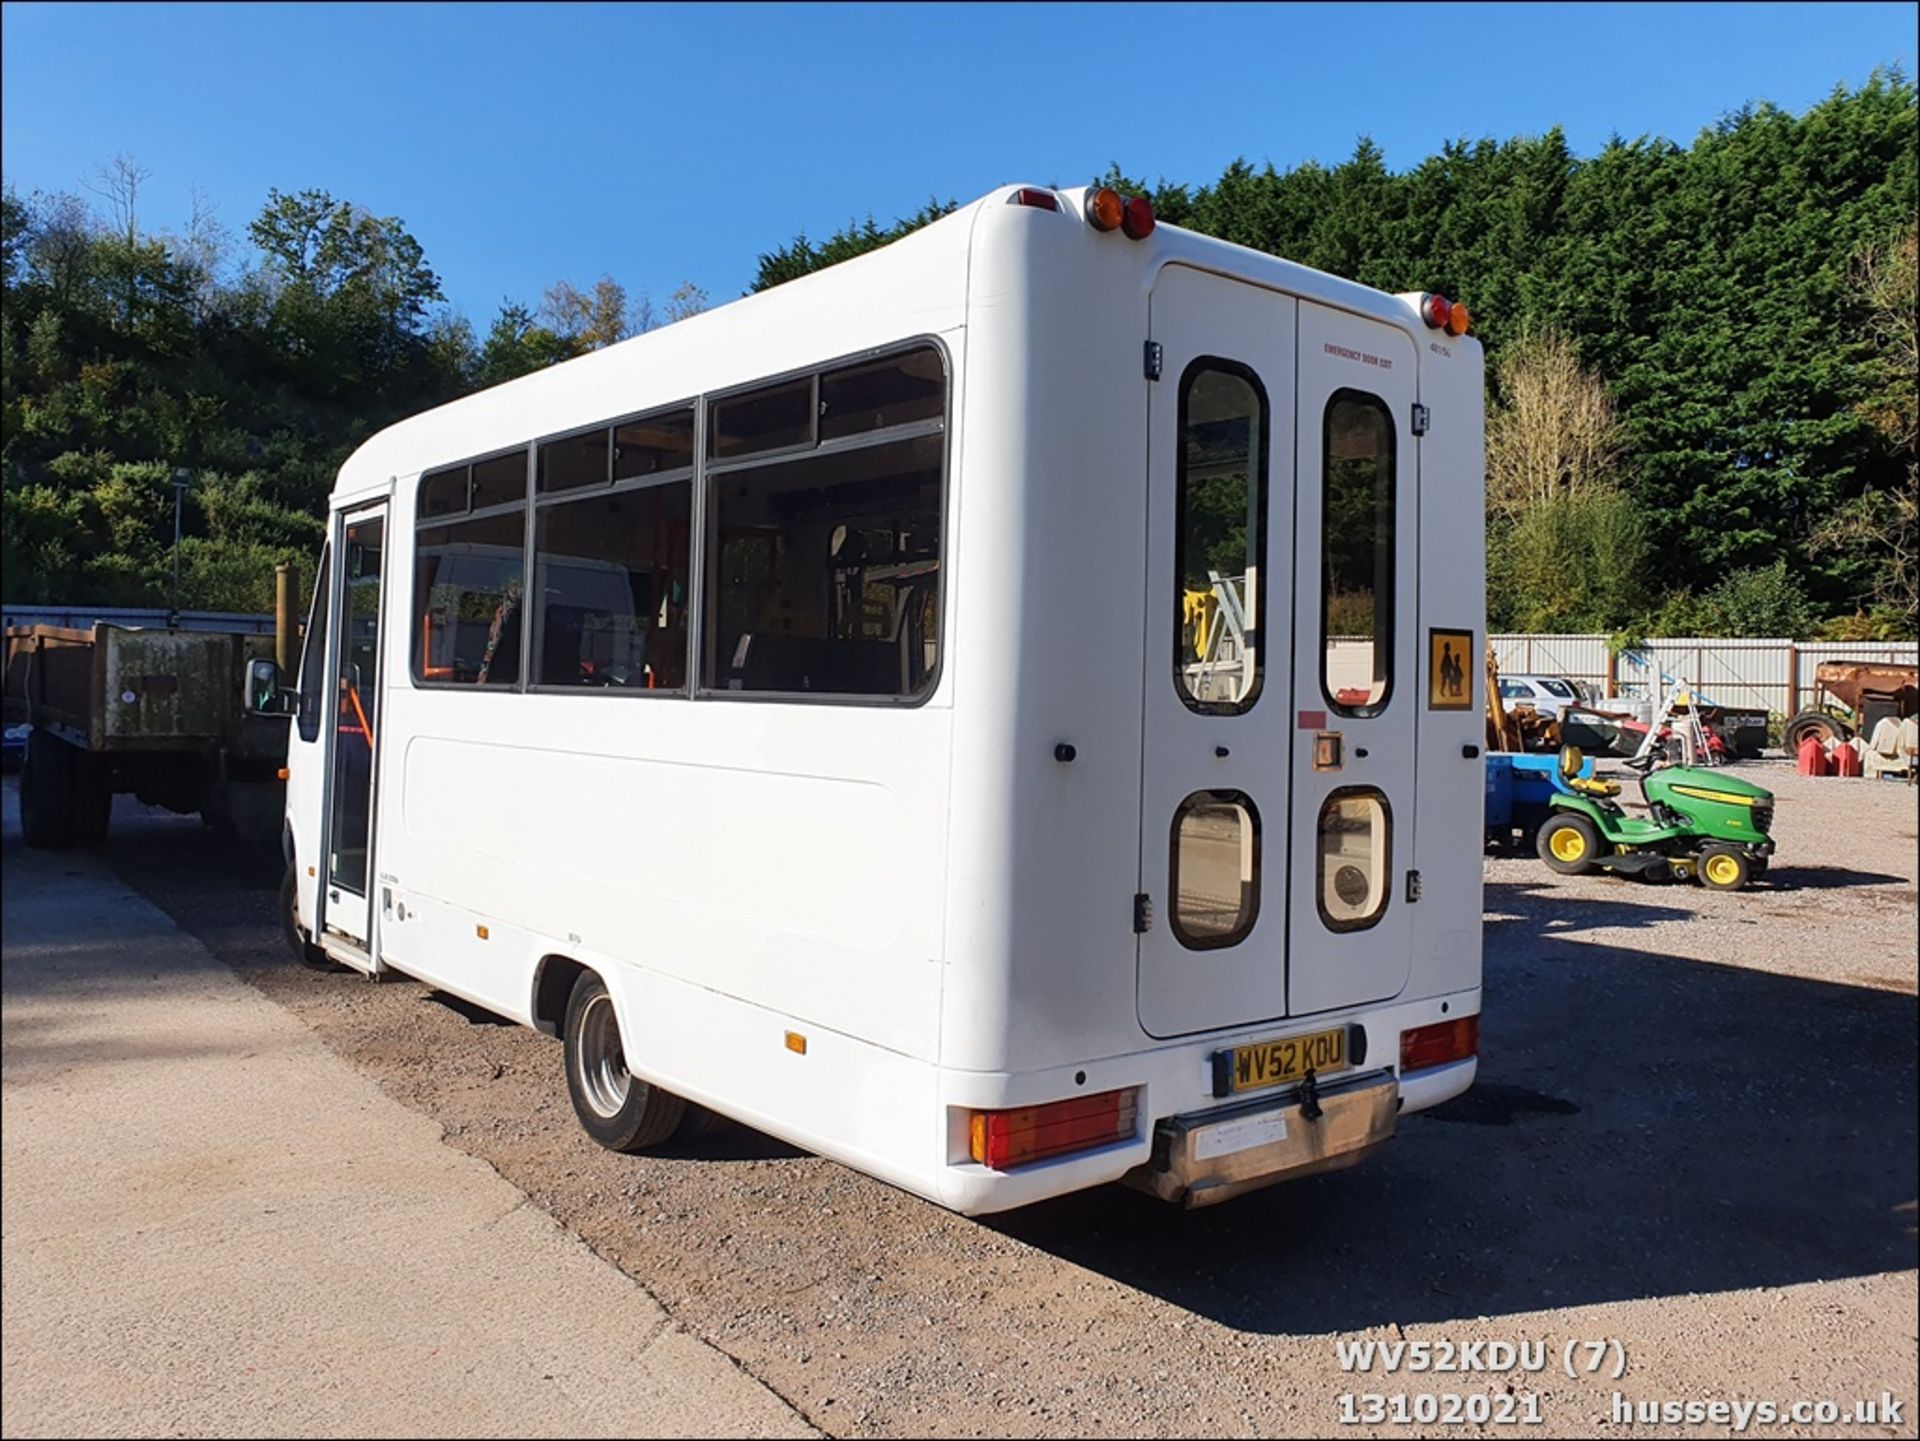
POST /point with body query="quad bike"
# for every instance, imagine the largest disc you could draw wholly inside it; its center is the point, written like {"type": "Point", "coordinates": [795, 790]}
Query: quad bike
{"type": "Point", "coordinates": [1703, 824]}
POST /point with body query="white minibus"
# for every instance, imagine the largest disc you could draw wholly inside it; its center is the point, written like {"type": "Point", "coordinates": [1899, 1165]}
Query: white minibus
{"type": "Point", "coordinates": [1001, 712]}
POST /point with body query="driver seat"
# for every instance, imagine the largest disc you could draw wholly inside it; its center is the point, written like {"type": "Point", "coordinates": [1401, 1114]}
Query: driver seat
{"type": "Point", "coordinates": [1570, 762]}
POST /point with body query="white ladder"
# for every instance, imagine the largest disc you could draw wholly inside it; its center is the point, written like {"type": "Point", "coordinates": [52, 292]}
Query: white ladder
{"type": "Point", "coordinates": [1694, 747]}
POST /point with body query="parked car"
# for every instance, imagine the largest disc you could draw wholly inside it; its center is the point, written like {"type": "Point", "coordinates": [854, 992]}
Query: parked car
{"type": "Point", "coordinates": [1548, 694]}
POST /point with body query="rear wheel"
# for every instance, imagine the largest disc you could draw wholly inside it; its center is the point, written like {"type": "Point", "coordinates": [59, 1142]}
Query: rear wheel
{"type": "Point", "coordinates": [46, 792]}
{"type": "Point", "coordinates": [1568, 843]}
{"type": "Point", "coordinates": [92, 798]}
{"type": "Point", "coordinates": [616, 1108]}
{"type": "Point", "coordinates": [1827, 729]}
{"type": "Point", "coordinates": [1724, 868]}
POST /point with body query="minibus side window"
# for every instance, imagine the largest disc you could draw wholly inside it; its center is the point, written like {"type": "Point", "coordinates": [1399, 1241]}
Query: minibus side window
{"type": "Point", "coordinates": [823, 571]}
{"type": "Point", "coordinates": [468, 598]}
{"type": "Point", "coordinates": [1219, 537]}
{"type": "Point", "coordinates": [1356, 554]}
{"type": "Point", "coordinates": [611, 574]}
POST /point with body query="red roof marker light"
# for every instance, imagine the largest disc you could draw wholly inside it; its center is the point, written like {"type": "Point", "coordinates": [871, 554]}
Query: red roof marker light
{"type": "Point", "coordinates": [1436, 310]}
{"type": "Point", "coordinates": [1136, 218]}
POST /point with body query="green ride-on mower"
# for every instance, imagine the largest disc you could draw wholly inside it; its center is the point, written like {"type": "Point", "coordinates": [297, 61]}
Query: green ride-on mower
{"type": "Point", "coordinates": [1701, 824]}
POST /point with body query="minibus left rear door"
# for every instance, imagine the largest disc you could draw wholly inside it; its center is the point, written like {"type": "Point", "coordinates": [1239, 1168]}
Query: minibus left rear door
{"type": "Point", "coordinates": [1214, 793]}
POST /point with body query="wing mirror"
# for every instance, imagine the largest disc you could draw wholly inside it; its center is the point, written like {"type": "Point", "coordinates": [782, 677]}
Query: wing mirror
{"type": "Point", "coordinates": [266, 693]}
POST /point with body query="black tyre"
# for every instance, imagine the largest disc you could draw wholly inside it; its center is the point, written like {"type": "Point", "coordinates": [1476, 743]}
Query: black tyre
{"type": "Point", "coordinates": [1826, 728]}
{"type": "Point", "coordinates": [1723, 868]}
{"type": "Point", "coordinates": [1568, 842]}
{"type": "Point", "coordinates": [616, 1108]}
{"type": "Point", "coordinates": [46, 792]}
{"type": "Point", "coordinates": [92, 798]}
{"type": "Point", "coordinates": [304, 951]}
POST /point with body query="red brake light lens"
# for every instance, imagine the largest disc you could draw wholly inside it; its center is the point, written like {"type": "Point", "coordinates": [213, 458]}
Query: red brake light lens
{"type": "Point", "coordinates": [1104, 208]}
{"type": "Point", "coordinates": [1439, 1043]}
{"type": "Point", "coordinates": [1136, 218]}
{"type": "Point", "coordinates": [1436, 310]}
{"type": "Point", "coordinates": [1002, 1140]}
{"type": "Point", "coordinates": [1038, 199]}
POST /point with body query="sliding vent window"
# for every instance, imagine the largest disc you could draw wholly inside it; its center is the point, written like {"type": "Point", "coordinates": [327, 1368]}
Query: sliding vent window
{"type": "Point", "coordinates": [1220, 537]}
{"type": "Point", "coordinates": [1215, 884]}
{"type": "Point", "coordinates": [653, 445]}
{"type": "Point", "coordinates": [907, 389]}
{"type": "Point", "coordinates": [572, 461]}
{"type": "Point", "coordinates": [444, 492]}
{"type": "Point", "coordinates": [775, 417]}
{"type": "Point", "coordinates": [469, 599]}
{"type": "Point", "coordinates": [1357, 543]}
{"type": "Point", "coordinates": [500, 480]}
{"type": "Point", "coordinates": [1356, 857]}
{"type": "Point", "coordinates": [611, 571]}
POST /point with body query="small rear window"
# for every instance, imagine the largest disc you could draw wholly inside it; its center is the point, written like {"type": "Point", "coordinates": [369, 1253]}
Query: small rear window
{"type": "Point", "coordinates": [1559, 688]}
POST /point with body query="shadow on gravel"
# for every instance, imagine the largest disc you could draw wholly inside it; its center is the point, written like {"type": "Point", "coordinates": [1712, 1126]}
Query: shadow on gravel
{"type": "Point", "coordinates": [1826, 878]}
{"type": "Point", "coordinates": [1555, 910]}
{"type": "Point", "coordinates": [1644, 1126]}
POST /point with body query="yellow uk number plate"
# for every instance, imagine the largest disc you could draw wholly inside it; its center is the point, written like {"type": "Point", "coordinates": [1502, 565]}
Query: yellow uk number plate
{"type": "Point", "coordinates": [1275, 1063]}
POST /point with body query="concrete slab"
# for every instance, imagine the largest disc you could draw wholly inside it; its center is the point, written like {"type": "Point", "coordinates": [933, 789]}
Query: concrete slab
{"type": "Point", "coordinates": [214, 1226]}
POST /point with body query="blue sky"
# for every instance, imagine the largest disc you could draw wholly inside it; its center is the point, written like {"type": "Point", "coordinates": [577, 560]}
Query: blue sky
{"type": "Point", "coordinates": [669, 143]}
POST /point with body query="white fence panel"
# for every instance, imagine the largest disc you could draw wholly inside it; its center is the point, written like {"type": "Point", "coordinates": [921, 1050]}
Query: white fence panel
{"type": "Point", "coordinates": [1574, 657]}
{"type": "Point", "coordinates": [1771, 673]}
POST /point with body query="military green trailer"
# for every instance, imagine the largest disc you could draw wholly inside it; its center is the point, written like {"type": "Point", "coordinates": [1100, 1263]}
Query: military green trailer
{"type": "Point", "coordinates": [158, 713]}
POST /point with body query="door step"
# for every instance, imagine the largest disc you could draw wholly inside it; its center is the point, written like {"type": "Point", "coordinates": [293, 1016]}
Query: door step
{"type": "Point", "coordinates": [349, 952]}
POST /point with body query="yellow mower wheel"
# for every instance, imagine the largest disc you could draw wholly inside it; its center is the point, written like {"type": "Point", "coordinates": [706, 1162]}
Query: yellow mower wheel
{"type": "Point", "coordinates": [1722, 868]}
{"type": "Point", "coordinates": [1568, 843]}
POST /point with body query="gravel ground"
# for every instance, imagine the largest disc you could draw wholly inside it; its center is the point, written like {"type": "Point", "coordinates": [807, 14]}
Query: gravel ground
{"type": "Point", "coordinates": [1694, 1133]}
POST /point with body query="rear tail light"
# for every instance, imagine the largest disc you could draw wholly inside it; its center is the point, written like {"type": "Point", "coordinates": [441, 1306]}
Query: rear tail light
{"type": "Point", "coordinates": [1002, 1140]}
{"type": "Point", "coordinates": [1136, 218]}
{"type": "Point", "coordinates": [1038, 199]}
{"type": "Point", "coordinates": [1105, 208]}
{"type": "Point", "coordinates": [1436, 310]}
{"type": "Point", "coordinates": [1436, 1045]}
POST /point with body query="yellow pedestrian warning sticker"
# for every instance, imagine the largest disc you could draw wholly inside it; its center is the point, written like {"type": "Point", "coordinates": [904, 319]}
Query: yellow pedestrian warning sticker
{"type": "Point", "coordinates": [1449, 676]}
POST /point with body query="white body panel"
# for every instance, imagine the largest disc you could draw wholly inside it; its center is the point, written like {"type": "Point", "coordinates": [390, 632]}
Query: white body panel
{"type": "Point", "coordinates": [942, 907]}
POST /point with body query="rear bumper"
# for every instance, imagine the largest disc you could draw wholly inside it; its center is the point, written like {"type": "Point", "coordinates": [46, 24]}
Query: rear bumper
{"type": "Point", "coordinates": [1213, 1156]}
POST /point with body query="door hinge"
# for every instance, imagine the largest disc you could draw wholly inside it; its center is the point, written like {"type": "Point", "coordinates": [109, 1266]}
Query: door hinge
{"type": "Point", "coordinates": [1154, 356]}
{"type": "Point", "coordinates": [1422, 418]}
{"type": "Point", "coordinates": [1413, 886]}
{"type": "Point", "coordinates": [1142, 914]}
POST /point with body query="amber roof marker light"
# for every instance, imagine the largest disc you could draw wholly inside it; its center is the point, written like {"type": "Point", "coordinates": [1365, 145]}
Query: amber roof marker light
{"type": "Point", "coordinates": [1104, 208]}
{"type": "Point", "coordinates": [1458, 319]}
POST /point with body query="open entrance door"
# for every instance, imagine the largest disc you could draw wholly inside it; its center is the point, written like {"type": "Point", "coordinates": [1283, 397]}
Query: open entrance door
{"type": "Point", "coordinates": [353, 725]}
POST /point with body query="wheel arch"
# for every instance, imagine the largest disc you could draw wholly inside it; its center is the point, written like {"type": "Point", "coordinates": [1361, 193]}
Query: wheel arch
{"type": "Point", "coordinates": [554, 978]}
